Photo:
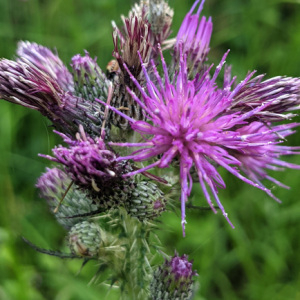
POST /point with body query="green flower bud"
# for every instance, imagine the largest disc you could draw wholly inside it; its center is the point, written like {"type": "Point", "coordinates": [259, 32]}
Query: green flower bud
{"type": "Point", "coordinates": [89, 80]}
{"type": "Point", "coordinates": [147, 201]}
{"type": "Point", "coordinates": [85, 239]}
{"type": "Point", "coordinates": [173, 280]}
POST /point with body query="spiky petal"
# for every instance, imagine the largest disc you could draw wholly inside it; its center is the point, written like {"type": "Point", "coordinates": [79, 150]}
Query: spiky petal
{"type": "Point", "coordinates": [259, 156]}
{"type": "Point", "coordinates": [282, 91]}
{"type": "Point", "coordinates": [194, 38]}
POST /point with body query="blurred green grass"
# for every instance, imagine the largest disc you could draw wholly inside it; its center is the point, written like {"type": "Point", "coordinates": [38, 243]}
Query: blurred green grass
{"type": "Point", "coordinates": [259, 259]}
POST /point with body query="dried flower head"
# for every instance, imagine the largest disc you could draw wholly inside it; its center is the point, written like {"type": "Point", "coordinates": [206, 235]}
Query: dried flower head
{"type": "Point", "coordinates": [160, 18]}
{"type": "Point", "coordinates": [133, 37]}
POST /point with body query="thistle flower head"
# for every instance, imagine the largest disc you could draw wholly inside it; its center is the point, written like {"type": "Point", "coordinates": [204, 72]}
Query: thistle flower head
{"type": "Point", "coordinates": [173, 279]}
{"type": "Point", "coordinates": [23, 83]}
{"type": "Point", "coordinates": [91, 166]}
{"type": "Point", "coordinates": [190, 121]}
{"type": "Point", "coordinates": [158, 15]}
{"type": "Point", "coordinates": [283, 92]}
{"type": "Point", "coordinates": [133, 37]}
{"type": "Point", "coordinates": [47, 61]}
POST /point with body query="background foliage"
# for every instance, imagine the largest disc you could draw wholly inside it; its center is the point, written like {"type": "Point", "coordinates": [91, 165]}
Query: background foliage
{"type": "Point", "coordinates": [260, 259]}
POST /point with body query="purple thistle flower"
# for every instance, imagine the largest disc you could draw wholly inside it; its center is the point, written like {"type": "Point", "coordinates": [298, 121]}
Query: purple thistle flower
{"type": "Point", "coordinates": [25, 84]}
{"type": "Point", "coordinates": [181, 267]}
{"type": "Point", "coordinates": [191, 121]}
{"type": "Point", "coordinates": [283, 92]}
{"type": "Point", "coordinates": [92, 167]}
{"type": "Point", "coordinates": [45, 60]}
{"type": "Point", "coordinates": [194, 38]}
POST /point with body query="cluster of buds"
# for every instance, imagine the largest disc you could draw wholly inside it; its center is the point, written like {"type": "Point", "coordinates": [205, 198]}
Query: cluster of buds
{"type": "Point", "coordinates": [178, 120]}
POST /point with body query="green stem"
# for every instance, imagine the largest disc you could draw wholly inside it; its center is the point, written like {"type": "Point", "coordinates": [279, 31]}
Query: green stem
{"type": "Point", "coordinates": [136, 271]}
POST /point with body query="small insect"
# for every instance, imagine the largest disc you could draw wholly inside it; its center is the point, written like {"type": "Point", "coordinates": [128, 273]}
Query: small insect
{"type": "Point", "coordinates": [112, 69]}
